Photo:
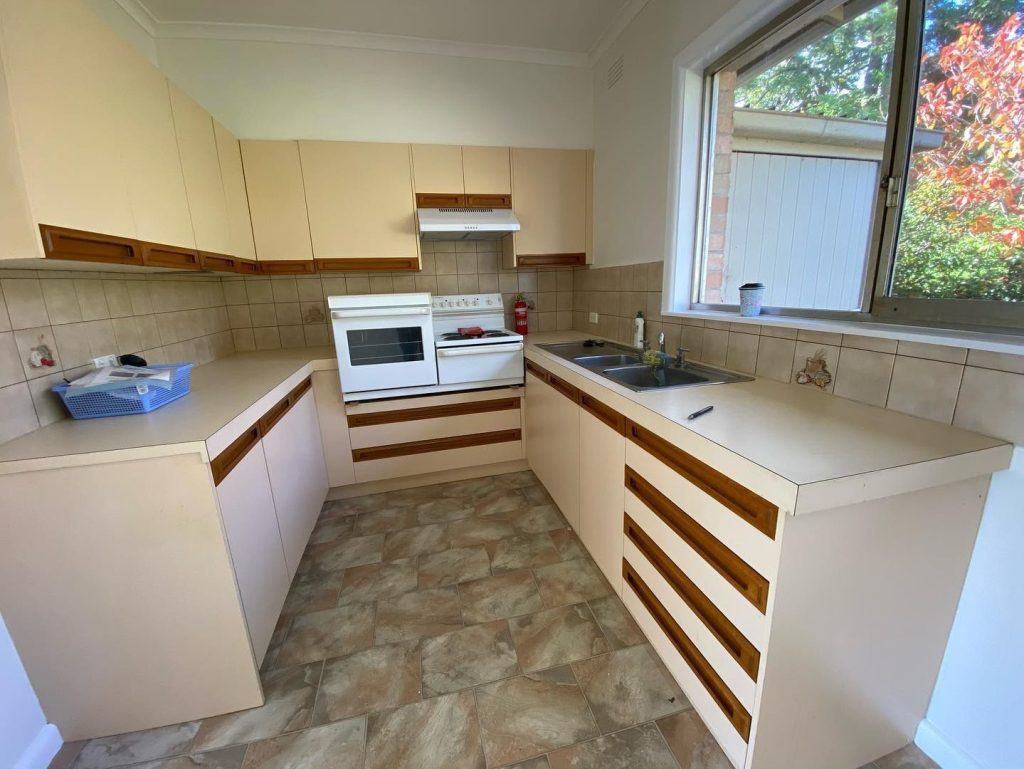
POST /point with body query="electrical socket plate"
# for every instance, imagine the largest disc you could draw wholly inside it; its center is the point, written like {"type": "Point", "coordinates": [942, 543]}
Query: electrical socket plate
{"type": "Point", "coordinates": [104, 360]}
{"type": "Point", "coordinates": [593, 317]}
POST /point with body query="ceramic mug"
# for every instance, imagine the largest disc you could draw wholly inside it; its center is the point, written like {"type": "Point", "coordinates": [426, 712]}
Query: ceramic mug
{"type": "Point", "coordinates": [751, 296]}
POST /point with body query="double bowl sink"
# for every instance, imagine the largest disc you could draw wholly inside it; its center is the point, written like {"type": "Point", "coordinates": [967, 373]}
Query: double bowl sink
{"type": "Point", "coordinates": [623, 365]}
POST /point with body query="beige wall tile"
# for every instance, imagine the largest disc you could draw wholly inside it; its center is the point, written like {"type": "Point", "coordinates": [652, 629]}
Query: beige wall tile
{"type": "Point", "coordinates": [29, 338]}
{"type": "Point", "coordinates": [774, 358]}
{"type": "Point", "coordinates": [547, 281]}
{"type": "Point", "coordinates": [5, 319]}
{"type": "Point", "coordinates": [925, 388]}
{"type": "Point", "coordinates": [140, 297]}
{"type": "Point", "coordinates": [996, 360]}
{"type": "Point", "coordinates": [316, 335]}
{"type": "Point", "coordinates": [61, 300]}
{"type": "Point", "coordinates": [742, 352]}
{"type": "Point", "coordinates": [778, 332]}
{"type": "Point", "coordinates": [17, 414]}
{"type": "Point", "coordinates": [263, 315]}
{"type": "Point", "coordinates": [11, 370]}
{"type": "Point", "coordinates": [118, 300]}
{"type": "Point", "coordinates": [334, 286]}
{"type": "Point", "coordinates": [469, 284]}
{"type": "Point", "coordinates": [73, 344]}
{"type": "Point", "coordinates": [489, 283]}
{"type": "Point", "coordinates": [405, 284]}
{"type": "Point", "coordinates": [288, 314]}
{"type": "Point", "coordinates": [100, 334]}
{"type": "Point", "coordinates": [310, 289]}
{"type": "Point", "coordinates": [447, 285]}
{"type": "Point", "coordinates": [527, 281]}
{"type": "Point", "coordinates": [149, 334]}
{"type": "Point", "coordinates": [243, 339]}
{"type": "Point", "coordinates": [715, 349]}
{"type": "Point", "coordinates": [872, 343]}
{"type": "Point", "coordinates": [445, 264]}
{"type": "Point", "coordinates": [819, 337]}
{"type": "Point", "coordinates": [932, 351]}
{"type": "Point", "coordinates": [805, 350]}
{"type": "Point", "coordinates": [48, 405]}
{"type": "Point", "coordinates": [465, 263]}
{"type": "Point", "coordinates": [382, 284]}
{"type": "Point", "coordinates": [284, 289]}
{"type": "Point", "coordinates": [126, 333]}
{"type": "Point", "coordinates": [268, 338]}
{"type": "Point", "coordinates": [565, 280]}
{"type": "Point", "coordinates": [357, 285]}
{"type": "Point", "coordinates": [863, 375]}
{"type": "Point", "coordinates": [25, 304]}
{"type": "Point", "coordinates": [692, 338]}
{"type": "Point", "coordinates": [292, 336]}
{"type": "Point", "coordinates": [258, 290]}
{"type": "Point", "coordinates": [92, 300]}
{"type": "Point", "coordinates": [234, 292]}
{"type": "Point", "coordinates": [992, 402]}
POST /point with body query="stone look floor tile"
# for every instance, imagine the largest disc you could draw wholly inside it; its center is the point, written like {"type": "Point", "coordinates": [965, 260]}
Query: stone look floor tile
{"type": "Point", "coordinates": [419, 540]}
{"type": "Point", "coordinates": [628, 687]}
{"type": "Point", "coordinates": [225, 758]}
{"type": "Point", "coordinates": [615, 620]}
{"type": "Point", "coordinates": [540, 762]}
{"type": "Point", "coordinates": [479, 531]}
{"type": "Point", "coordinates": [557, 636]}
{"type": "Point", "coordinates": [331, 529]}
{"type": "Point", "coordinates": [641, 746]}
{"type": "Point", "coordinates": [387, 520]}
{"type": "Point", "coordinates": [531, 714]}
{"type": "Point", "coordinates": [375, 679]}
{"type": "Point", "coordinates": [571, 582]}
{"type": "Point", "coordinates": [417, 615]}
{"type": "Point", "coordinates": [537, 519]}
{"type": "Point", "coordinates": [67, 754]}
{"type": "Point", "coordinates": [449, 567]}
{"type": "Point", "coordinates": [468, 657]}
{"type": "Point", "coordinates": [353, 506]}
{"type": "Point", "coordinates": [568, 544]}
{"type": "Point", "coordinates": [439, 733]}
{"type": "Point", "coordinates": [501, 500]}
{"type": "Point", "coordinates": [522, 552]}
{"type": "Point", "coordinates": [376, 581]}
{"type": "Point", "coordinates": [330, 633]}
{"type": "Point", "coordinates": [443, 510]}
{"type": "Point", "coordinates": [132, 748]}
{"type": "Point", "coordinates": [306, 597]}
{"type": "Point", "coordinates": [284, 624]}
{"type": "Point", "coordinates": [337, 746]}
{"type": "Point", "coordinates": [473, 489]}
{"type": "Point", "coordinates": [692, 744]}
{"type": "Point", "coordinates": [537, 495]}
{"type": "Point", "coordinates": [909, 757]}
{"type": "Point", "coordinates": [507, 595]}
{"type": "Point", "coordinates": [354, 551]}
{"type": "Point", "coordinates": [289, 695]}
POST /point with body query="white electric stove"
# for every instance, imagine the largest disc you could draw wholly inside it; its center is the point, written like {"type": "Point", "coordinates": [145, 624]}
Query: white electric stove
{"type": "Point", "coordinates": [493, 358]}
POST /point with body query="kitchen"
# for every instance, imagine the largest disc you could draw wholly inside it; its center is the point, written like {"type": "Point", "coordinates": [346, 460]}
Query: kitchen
{"type": "Point", "coordinates": [366, 538]}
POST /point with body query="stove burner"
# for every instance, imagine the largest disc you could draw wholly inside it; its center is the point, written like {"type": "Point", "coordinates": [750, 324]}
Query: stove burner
{"type": "Point", "coordinates": [454, 336]}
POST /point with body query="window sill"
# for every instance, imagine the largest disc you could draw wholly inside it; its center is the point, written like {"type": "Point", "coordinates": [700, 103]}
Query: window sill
{"type": "Point", "coordinates": [972, 340]}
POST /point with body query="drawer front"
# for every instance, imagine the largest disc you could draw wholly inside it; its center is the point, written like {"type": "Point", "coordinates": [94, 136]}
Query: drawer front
{"type": "Point", "coordinates": [750, 545]}
{"type": "Point", "coordinates": [440, 427]}
{"type": "Point", "coordinates": [507, 450]}
{"type": "Point", "coordinates": [760, 514]}
{"type": "Point", "coordinates": [725, 717]}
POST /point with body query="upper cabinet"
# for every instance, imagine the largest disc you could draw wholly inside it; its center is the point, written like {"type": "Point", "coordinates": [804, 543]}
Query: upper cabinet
{"type": "Point", "coordinates": [236, 199]}
{"type": "Point", "coordinates": [277, 202]}
{"type": "Point", "coordinates": [550, 190]}
{"type": "Point", "coordinates": [449, 175]}
{"type": "Point", "coordinates": [200, 165]}
{"type": "Point", "coordinates": [362, 211]}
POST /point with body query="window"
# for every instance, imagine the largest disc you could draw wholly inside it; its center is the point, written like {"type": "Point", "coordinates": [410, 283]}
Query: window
{"type": "Point", "coordinates": [866, 160]}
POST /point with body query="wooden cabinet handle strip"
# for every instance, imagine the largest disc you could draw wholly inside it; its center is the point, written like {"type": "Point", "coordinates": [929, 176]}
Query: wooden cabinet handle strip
{"type": "Point", "coordinates": [435, 444]}
{"type": "Point", "coordinates": [566, 389]}
{"type": "Point", "coordinates": [755, 510]}
{"type": "Point", "coordinates": [605, 413]}
{"type": "Point", "coordinates": [734, 569]}
{"type": "Point", "coordinates": [739, 648]}
{"type": "Point", "coordinates": [722, 695]}
{"type": "Point", "coordinates": [537, 371]}
{"type": "Point", "coordinates": [226, 461]}
{"type": "Point", "coordinates": [432, 412]}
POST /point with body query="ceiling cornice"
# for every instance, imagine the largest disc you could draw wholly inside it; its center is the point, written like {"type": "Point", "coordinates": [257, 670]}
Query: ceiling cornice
{"type": "Point", "coordinates": [623, 18]}
{"type": "Point", "coordinates": [163, 30]}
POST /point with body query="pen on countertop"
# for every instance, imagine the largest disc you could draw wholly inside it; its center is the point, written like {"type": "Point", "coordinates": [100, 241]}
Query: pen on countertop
{"type": "Point", "coordinates": [700, 413]}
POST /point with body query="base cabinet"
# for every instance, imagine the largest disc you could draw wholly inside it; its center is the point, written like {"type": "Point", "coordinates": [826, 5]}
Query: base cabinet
{"type": "Point", "coordinates": [602, 457]}
{"type": "Point", "coordinates": [298, 476]}
{"type": "Point", "coordinates": [552, 439]}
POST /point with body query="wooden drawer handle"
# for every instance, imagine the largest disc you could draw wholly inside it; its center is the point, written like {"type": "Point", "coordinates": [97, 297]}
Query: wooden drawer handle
{"type": "Point", "coordinates": [564, 388]}
{"type": "Point", "coordinates": [440, 200]}
{"type": "Point", "coordinates": [300, 390]}
{"type": "Point", "coordinates": [226, 461]}
{"type": "Point", "coordinates": [435, 444]}
{"type": "Point", "coordinates": [755, 510]}
{"type": "Point", "coordinates": [720, 693]}
{"type": "Point", "coordinates": [488, 201]}
{"type": "Point", "coordinates": [537, 371]}
{"type": "Point", "coordinates": [274, 414]}
{"type": "Point", "coordinates": [605, 413]}
{"type": "Point", "coordinates": [432, 412]}
{"type": "Point", "coordinates": [739, 648]}
{"type": "Point", "coordinates": [734, 569]}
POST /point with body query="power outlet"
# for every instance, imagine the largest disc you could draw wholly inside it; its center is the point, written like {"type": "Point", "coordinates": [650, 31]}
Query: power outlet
{"type": "Point", "coordinates": [593, 317]}
{"type": "Point", "coordinates": [104, 360]}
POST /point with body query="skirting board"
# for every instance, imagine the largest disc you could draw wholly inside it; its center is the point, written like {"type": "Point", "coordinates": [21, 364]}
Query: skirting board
{"type": "Point", "coordinates": [427, 479]}
{"type": "Point", "coordinates": [935, 745]}
{"type": "Point", "coordinates": [42, 749]}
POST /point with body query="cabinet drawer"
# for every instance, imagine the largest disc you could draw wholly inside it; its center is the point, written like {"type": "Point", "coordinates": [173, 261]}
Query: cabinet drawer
{"type": "Point", "coordinates": [717, 706]}
{"type": "Point", "coordinates": [506, 446]}
{"type": "Point", "coordinates": [437, 428]}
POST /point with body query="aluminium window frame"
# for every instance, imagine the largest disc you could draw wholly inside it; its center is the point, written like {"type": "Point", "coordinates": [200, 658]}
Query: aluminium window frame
{"type": "Point", "coordinates": [877, 305]}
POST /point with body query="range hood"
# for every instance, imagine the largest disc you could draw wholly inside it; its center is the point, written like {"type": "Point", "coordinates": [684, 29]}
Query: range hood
{"type": "Point", "coordinates": [466, 223]}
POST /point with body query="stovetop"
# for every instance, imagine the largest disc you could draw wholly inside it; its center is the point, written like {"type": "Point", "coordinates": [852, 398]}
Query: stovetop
{"type": "Point", "coordinates": [485, 311]}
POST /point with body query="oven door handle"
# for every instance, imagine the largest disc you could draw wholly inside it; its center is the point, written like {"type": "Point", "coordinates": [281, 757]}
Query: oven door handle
{"type": "Point", "coordinates": [480, 350]}
{"type": "Point", "coordinates": [383, 312]}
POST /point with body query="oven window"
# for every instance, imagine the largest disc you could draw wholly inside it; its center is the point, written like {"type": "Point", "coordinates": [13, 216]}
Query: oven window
{"type": "Point", "coordinates": [373, 346]}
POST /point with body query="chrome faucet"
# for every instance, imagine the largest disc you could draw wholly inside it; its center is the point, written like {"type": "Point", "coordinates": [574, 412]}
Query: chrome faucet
{"type": "Point", "coordinates": [680, 360]}
{"type": "Point", "coordinates": [645, 344]}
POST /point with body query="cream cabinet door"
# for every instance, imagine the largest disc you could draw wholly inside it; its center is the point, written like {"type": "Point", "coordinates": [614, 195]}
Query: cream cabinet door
{"type": "Point", "coordinates": [236, 199]}
{"type": "Point", "coordinates": [333, 429]}
{"type": "Point", "coordinates": [69, 140]}
{"type": "Point", "coordinates": [549, 194]}
{"type": "Point", "coordinates": [602, 494]}
{"type": "Point", "coordinates": [361, 201]}
{"type": "Point", "coordinates": [437, 168]}
{"type": "Point", "coordinates": [553, 445]}
{"type": "Point", "coordinates": [298, 476]}
{"type": "Point", "coordinates": [277, 203]}
{"type": "Point", "coordinates": [250, 523]}
{"type": "Point", "coordinates": [200, 165]}
{"type": "Point", "coordinates": [487, 170]}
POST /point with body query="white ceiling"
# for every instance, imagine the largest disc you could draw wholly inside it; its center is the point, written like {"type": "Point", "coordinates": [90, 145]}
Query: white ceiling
{"type": "Point", "coordinates": [573, 27]}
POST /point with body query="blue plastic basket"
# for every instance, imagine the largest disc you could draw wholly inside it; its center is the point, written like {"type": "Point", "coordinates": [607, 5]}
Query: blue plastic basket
{"type": "Point", "coordinates": [127, 400]}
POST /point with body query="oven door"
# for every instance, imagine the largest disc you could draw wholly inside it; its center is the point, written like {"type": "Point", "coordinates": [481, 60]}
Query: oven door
{"type": "Point", "coordinates": [480, 363]}
{"type": "Point", "coordinates": [383, 349]}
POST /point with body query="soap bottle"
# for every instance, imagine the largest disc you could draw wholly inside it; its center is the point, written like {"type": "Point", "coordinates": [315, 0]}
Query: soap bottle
{"type": "Point", "coordinates": [638, 329]}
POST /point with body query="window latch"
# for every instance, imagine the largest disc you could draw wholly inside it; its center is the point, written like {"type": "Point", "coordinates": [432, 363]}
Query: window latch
{"type": "Point", "coordinates": [892, 187]}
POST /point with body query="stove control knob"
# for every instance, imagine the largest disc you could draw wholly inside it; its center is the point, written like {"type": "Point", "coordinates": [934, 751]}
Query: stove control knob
{"type": "Point", "coordinates": [476, 302]}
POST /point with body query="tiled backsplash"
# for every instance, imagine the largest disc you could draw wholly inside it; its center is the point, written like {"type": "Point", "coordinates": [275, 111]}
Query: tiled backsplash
{"type": "Point", "coordinates": [290, 311]}
{"type": "Point", "coordinates": [82, 315]}
{"type": "Point", "coordinates": [972, 389]}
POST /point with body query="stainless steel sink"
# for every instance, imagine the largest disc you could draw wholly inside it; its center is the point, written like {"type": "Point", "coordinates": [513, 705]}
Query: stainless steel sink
{"type": "Point", "coordinates": [621, 364]}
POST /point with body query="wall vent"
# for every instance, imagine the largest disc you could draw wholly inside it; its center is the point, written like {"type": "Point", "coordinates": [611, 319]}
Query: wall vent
{"type": "Point", "coordinates": [615, 71]}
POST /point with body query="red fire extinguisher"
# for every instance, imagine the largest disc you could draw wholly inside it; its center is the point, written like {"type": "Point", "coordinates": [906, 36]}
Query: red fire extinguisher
{"type": "Point", "coordinates": [520, 307]}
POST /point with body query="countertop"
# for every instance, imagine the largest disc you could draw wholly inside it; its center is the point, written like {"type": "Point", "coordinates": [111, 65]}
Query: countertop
{"type": "Point", "coordinates": [798, 434]}
{"type": "Point", "coordinates": [221, 391]}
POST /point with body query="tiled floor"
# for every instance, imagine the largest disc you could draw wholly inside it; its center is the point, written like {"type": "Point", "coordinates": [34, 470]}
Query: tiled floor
{"type": "Point", "coordinates": [457, 626]}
